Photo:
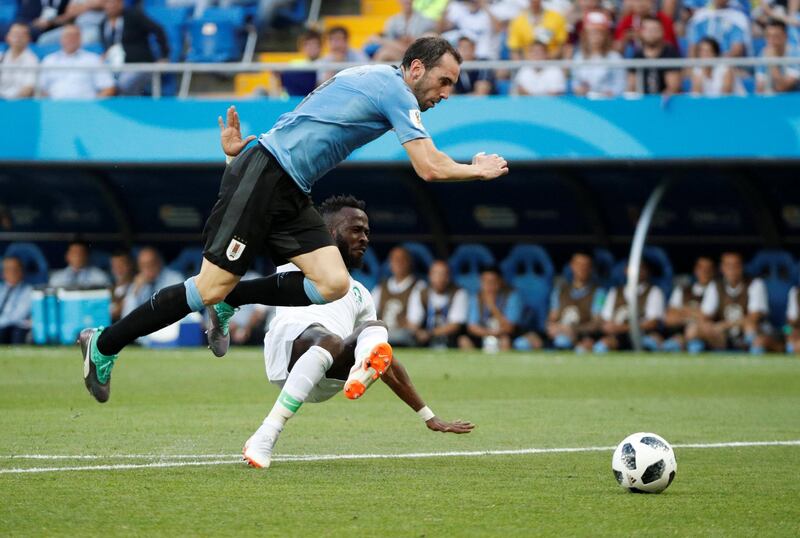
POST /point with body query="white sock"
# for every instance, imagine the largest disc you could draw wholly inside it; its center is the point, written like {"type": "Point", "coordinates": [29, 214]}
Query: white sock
{"type": "Point", "coordinates": [368, 339]}
{"type": "Point", "coordinates": [309, 370]}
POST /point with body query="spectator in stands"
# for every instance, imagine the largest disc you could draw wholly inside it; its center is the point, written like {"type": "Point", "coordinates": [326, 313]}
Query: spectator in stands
{"type": "Point", "coordinates": [339, 51]}
{"type": "Point", "coordinates": [125, 34]}
{"type": "Point", "coordinates": [574, 319]}
{"type": "Point", "coordinates": [438, 312]}
{"type": "Point", "coordinates": [78, 273]}
{"type": "Point", "coordinates": [392, 297]}
{"type": "Point", "coordinates": [596, 44]}
{"type": "Point", "coordinates": [627, 36]}
{"type": "Point", "coordinates": [494, 315]}
{"type": "Point", "coordinates": [472, 81]}
{"type": "Point", "coordinates": [85, 14]}
{"type": "Point", "coordinates": [729, 26]}
{"type": "Point", "coordinates": [531, 80]}
{"type": "Point", "coordinates": [778, 78]}
{"type": "Point", "coordinates": [684, 311]}
{"type": "Point", "coordinates": [42, 15]}
{"type": "Point", "coordinates": [248, 325]}
{"type": "Point", "coordinates": [616, 311]}
{"type": "Point", "coordinates": [301, 83]}
{"type": "Point", "coordinates": [537, 24]}
{"type": "Point", "coordinates": [18, 84]}
{"type": "Point", "coordinates": [580, 9]}
{"type": "Point", "coordinates": [714, 80]}
{"type": "Point", "coordinates": [15, 303]}
{"type": "Point", "coordinates": [77, 84]}
{"type": "Point", "coordinates": [653, 47]}
{"type": "Point", "coordinates": [400, 31]}
{"type": "Point", "coordinates": [473, 19]}
{"type": "Point", "coordinates": [433, 9]}
{"type": "Point", "coordinates": [152, 276]}
{"type": "Point", "coordinates": [122, 271]}
{"type": "Point", "coordinates": [735, 311]}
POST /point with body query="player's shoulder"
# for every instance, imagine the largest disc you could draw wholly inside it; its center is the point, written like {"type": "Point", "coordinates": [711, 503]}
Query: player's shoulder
{"type": "Point", "coordinates": [360, 292]}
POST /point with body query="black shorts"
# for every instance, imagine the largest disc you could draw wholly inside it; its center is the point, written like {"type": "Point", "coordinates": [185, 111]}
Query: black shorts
{"type": "Point", "coordinates": [260, 209]}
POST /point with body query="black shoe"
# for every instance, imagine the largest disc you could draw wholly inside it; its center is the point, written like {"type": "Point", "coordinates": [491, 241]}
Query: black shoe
{"type": "Point", "coordinates": [100, 391]}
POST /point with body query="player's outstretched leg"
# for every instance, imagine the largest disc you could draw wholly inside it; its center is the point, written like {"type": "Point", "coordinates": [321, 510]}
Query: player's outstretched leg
{"type": "Point", "coordinates": [373, 356]}
{"type": "Point", "coordinates": [307, 371]}
{"type": "Point", "coordinates": [95, 367]}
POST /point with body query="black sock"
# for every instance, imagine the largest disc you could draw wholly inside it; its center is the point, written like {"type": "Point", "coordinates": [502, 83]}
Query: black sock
{"type": "Point", "coordinates": [280, 289]}
{"type": "Point", "coordinates": [164, 308]}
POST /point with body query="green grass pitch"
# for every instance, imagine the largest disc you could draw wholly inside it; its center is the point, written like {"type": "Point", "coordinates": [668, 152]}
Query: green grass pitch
{"type": "Point", "coordinates": [168, 403]}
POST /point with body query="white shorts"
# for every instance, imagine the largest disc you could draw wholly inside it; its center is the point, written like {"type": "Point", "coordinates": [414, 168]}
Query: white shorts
{"type": "Point", "coordinates": [278, 352]}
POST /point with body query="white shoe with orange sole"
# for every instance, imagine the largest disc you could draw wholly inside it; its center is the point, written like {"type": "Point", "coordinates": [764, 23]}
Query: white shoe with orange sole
{"type": "Point", "coordinates": [257, 451]}
{"type": "Point", "coordinates": [364, 375]}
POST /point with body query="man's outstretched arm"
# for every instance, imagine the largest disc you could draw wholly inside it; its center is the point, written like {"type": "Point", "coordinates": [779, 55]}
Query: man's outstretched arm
{"type": "Point", "coordinates": [433, 165]}
{"type": "Point", "coordinates": [396, 377]}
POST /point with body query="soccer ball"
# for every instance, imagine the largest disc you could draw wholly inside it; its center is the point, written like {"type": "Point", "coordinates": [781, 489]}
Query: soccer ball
{"type": "Point", "coordinates": [644, 463]}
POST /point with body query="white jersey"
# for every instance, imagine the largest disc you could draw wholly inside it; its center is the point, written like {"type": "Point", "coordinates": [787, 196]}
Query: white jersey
{"type": "Point", "coordinates": [341, 317]}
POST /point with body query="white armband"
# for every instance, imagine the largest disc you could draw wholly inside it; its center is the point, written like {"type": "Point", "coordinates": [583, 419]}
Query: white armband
{"type": "Point", "coordinates": [426, 414]}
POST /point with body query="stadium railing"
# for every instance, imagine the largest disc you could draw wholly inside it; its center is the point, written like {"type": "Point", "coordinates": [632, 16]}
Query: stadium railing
{"type": "Point", "coordinates": [187, 70]}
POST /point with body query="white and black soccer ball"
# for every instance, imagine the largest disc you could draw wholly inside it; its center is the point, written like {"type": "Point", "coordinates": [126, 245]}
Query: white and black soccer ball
{"type": "Point", "coordinates": [644, 463]}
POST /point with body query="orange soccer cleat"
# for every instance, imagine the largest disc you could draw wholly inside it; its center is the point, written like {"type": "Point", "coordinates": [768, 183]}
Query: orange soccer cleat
{"type": "Point", "coordinates": [376, 363]}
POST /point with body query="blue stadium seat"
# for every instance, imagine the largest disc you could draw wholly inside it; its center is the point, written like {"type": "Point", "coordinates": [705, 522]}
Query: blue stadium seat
{"type": "Point", "coordinates": [101, 259]}
{"type": "Point", "coordinates": [173, 21]}
{"type": "Point", "coordinates": [188, 261]}
{"type": "Point", "coordinates": [33, 260]}
{"type": "Point", "coordinates": [749, 84]}
{"type": "Point", "coordinates": [529, 269]}
{"type": "Point", "coordinates": [660, 270]}
{"type": "Point", "coordinates": [466, 264]}
{"type": "Point", "coordinates": [7, 14]}
{"type": "Point", "coordinates": [422, 256]}
{"type": "Point", "coordinates": [43, 50]}
{"type": "Point", "coordinates": [216, 36]}
{"type": "Point", "coordinates": [778, 270]}
{"type": "Point", "coordinates": [292, 15]}
{"type": "Point", "coordinates": [758, 45]}
{"type": "Point", "coordinates": [369, 274]}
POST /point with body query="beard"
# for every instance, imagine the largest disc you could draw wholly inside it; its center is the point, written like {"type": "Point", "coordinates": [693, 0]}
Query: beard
{"type": "Point", "coordinates": [351, 260]}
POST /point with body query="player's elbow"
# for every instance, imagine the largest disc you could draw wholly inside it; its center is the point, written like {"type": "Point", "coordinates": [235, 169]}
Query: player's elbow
{"type": "Point", "coordinates": [430, 173]}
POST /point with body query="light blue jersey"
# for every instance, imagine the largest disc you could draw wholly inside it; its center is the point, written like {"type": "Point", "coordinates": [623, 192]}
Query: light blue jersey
{"type": "Point", "coordinates": [353, 108]}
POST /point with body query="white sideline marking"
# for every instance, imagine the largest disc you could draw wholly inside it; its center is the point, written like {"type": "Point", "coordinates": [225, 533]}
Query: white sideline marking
{"type": "Point", "coordinates": [228, 459]}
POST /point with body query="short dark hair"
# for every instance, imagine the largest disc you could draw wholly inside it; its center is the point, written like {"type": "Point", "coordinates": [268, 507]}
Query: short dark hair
{"type": "Point", "coordinates": [652, 18]}
{"type": "Point", "coordinates": [338, 30]}
{"type": "Point", "coordinates": [713, 43]}
{"type": "Point", "coordinates": [429, 50]}
{"type": "Point", "coordinates": [309, 35]}
{"type": "Point", "coordinates": [777, 23]}
{"type": "Point", "coordinates": [336, 203]}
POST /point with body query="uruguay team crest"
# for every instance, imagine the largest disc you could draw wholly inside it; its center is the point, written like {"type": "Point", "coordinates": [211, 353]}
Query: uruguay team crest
{"type": "Point", "coordinates": [235, 249]}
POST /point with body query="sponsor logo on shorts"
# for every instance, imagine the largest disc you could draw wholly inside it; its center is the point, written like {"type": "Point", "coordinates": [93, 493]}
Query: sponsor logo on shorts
{"type": "Point", "coordinates": [235, 249]}
{"type": "Point", "coordinates": [416, 117]}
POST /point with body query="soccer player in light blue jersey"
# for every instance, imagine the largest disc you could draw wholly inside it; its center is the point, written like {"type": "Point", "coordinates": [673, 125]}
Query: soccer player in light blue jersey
{"type": "Point", "coordinates": [264, 202]}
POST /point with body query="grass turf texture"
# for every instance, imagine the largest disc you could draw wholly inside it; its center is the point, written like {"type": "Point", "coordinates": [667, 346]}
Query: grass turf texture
{"type": "Point", "coordinates": [185, 402]}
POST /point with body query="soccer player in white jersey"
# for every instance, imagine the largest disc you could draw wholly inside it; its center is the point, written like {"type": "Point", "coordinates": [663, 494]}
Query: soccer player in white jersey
{"type": "Point", "coordinates": [315, 352]}
{"type": "Point", "coordinates": [264, 201]}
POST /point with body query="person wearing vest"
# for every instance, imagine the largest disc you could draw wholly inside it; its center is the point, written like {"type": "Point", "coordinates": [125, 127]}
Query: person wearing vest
{"type": "Point", "coordinates": [574, 319]}
{"type": "Point", "coordinates": [792, 328]}
{"type": "Point", "coordinates": [615, 329]}
{"type": "Point", "coordinates": [122, 271]}
{"type": "Point", "coordinates": [438, 312]}
{"type": "Point", "coordinates": [683, 312]}
{"type": "Point", "coordinates": [393, 295]}
{"type": "Point", "coordinates": [735, 310]}
{"type": "Point", "coordinates": [15, 303]}
{"type": "Point", "coordinates": [494, 315]}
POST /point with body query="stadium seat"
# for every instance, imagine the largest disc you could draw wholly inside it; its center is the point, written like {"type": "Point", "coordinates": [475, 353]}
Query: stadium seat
{"type": "Point", "coordinates": [43, 50]}
{"type": "Point", "coordinates": [293, 15]}
{"type": "Point", "coordinates": [369, 274]}
{"type": "Point", "coordinates": [217, 35]}
{"type": "Point", "coordinates": [466, 264]}
{"type": "Point", "coordinates": [173, 21]}
{"type": "Point", "coordinates": [33, 260]}
{"type": "Point", "coordinates": [422, 256]}
{"type": "Point", "coordinates": [188, 261]}
{"type": "Point", "coordinates": [778, 270]}
{"type": "Point", "coordinates": [529, 269]}
{"type": "Point", "coordinates": [101, 259]}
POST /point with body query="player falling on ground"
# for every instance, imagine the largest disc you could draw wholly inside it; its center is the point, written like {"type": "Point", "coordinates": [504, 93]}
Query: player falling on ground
{"type": "Point", "coordinates": [315, 352]}
{"type": "Point", "coordinates": [264, 201]}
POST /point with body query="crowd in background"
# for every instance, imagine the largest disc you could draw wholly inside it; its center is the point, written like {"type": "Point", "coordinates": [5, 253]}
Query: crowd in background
{"type": "Point", "coordinates": [718, 307]}
{"type": "Point", "coordinates": [534, 30]}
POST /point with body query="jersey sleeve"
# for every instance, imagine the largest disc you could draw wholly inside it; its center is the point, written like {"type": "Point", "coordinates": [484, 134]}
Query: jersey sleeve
{"type": "Point", "coordinates": [398, 105]}
{"type": "Point", "coordinates": [757, 297]}
{"type": "Point", "coordinates": [607, 313]}
{"type": "Point", "coordinates": [654, 306]}
{"type": "Point", "coordinates": [367, 311]}
{"type": "Point", "coordinates": [791, 306]}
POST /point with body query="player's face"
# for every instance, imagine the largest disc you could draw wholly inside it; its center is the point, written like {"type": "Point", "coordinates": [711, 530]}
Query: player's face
{"type": "Point", "coordinates": [490, 283]}
{"type": "Point", "coordinates": [435, 84]}
{"type": "Point", "coordinates": [149, 265]}
{"type": "Point", "coordinates": [581, 266]}
{"type": "Point", "coordinates": [400, 263]}
{"type": "Point", "coordinates": [12, 271]}
{"type": "Point", "coordinates": [439, 276]}
{"type": "Point", "coordinates": [731, 268]}
{"type": "Point", "coordinates": [351, 233]}
{"type": "Point", "coordinates": [77, 256]}
{"type": "Point", "coordinates": [704, 270]}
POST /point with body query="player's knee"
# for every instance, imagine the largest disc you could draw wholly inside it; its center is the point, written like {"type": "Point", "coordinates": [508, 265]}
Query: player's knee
{"type": "Point", "coordinates": [332, 344]}
{"type": "Point", "coordinates": [213, 294]}
{"type": "Point", "coordinates": [335, 286]}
